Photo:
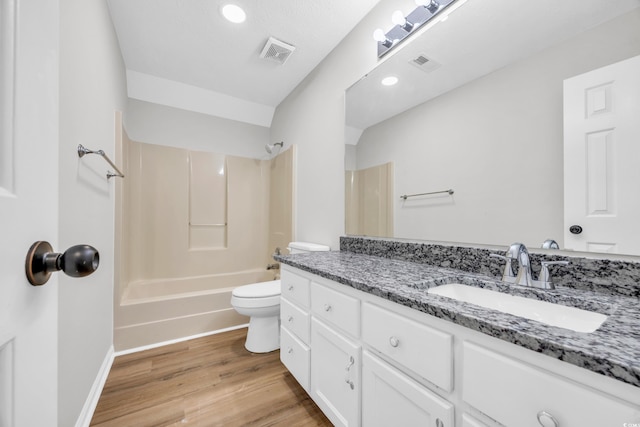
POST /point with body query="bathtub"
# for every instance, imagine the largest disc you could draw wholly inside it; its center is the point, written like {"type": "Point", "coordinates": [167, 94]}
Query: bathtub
{"type": "Point", "coordinates": [160, 310]}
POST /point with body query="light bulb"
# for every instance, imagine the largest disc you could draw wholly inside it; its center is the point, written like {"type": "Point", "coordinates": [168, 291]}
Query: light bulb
{"type": "Point", "coordinates": [379, 35]}
{"type": "Point", "coordinates": [398, 18]}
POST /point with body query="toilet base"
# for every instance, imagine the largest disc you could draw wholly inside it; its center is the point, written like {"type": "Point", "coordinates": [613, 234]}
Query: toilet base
{"type": "Point", "coordinates": [263, 335]}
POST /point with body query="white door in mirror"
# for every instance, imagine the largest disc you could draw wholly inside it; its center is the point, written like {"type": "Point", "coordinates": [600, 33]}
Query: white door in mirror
{"type": "Point", "coordinates": [601, 133]}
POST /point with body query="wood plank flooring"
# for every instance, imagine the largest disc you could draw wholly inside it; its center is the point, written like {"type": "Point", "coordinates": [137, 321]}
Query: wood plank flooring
{"type": "Point", "coordinates": [209, 381]}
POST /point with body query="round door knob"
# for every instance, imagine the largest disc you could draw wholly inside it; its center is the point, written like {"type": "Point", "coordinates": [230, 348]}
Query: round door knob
{"type": "Point", "coordinates": [575, 229]}
{"type": "Point", "coordinates": [394, 342]}
{"type": "Point", "coordinates": [77, 261]}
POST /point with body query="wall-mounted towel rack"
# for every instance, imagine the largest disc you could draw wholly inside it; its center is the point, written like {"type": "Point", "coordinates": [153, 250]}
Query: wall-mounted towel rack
{"type": "Point", "coordinates": [82, 151]}
{"type": "Point", "coordinates": [406, 196]}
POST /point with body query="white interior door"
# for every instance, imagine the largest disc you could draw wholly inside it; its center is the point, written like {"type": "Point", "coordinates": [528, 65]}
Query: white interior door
{"type": "Point", "coordinates": [28, 209]}
{"type": "Point", "coordinates": [602, 159]}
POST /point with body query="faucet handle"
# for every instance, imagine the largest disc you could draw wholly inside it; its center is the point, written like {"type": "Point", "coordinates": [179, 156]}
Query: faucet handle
{"type": "Point", "coordinates": [545, 277]}
{"type": "Point", "coordinates": [509, 273]}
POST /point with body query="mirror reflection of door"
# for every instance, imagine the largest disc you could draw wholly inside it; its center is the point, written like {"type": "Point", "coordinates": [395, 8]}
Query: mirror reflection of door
{"type": "Point", "coordinates": [602, 159]}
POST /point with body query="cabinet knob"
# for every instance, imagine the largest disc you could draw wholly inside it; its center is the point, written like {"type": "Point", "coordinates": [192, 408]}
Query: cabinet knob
{"type": "Point", "coordinates": [290, 350]}
{"type": "Point", "coordinates": [394, 342]}
{"type": "Point", "coordinates": [547, 420]}
{"type": "Point", "coordinates": [348, 381]}
{"type": "Point", "coordinates": [327, 307]}
{"type": "Point", "coordinates": [439, 423]}
{"type": "Point", "coordinates": [290, 287]}
{"type": "Point", "coordinates": [290, 319]}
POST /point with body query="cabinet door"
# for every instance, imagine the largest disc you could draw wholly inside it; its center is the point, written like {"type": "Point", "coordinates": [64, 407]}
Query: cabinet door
{"type": "Point", "coordinates": [335, 375]}
{"type": "Point", "coordinates": [390, 398]}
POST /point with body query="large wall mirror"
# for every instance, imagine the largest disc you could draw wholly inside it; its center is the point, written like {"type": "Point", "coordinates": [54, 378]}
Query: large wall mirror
{"type": "Point", "coordinates": [486, 104]}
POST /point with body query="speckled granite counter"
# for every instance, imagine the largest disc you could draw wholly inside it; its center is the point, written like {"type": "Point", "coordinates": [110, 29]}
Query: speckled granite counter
{"type": "Point", "coordinates": [613, 350]}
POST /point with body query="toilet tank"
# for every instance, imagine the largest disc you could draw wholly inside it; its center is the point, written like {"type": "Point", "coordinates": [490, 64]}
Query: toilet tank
{"type": "Point", "coordinates": [302, 247]}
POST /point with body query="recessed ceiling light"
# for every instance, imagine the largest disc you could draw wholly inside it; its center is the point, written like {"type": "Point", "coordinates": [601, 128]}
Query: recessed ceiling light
{"type": "Point", "coordinates": [389, 81]}
{"type": "Point", "coordinates": [234, 13]}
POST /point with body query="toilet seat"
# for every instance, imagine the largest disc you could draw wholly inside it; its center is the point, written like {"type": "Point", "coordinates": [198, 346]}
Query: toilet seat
{"type": "Point", "coordinates": [265, 294]}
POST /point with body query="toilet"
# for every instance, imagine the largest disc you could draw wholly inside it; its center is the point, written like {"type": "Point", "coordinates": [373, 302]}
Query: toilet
{"type": "Point", "coordinates": [261, 303]}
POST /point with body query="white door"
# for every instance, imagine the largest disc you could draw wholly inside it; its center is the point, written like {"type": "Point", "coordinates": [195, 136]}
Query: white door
{"type": "Point", "coordinates": [602, 159]}
{"type": "Point", "coordinates": [28, 209]}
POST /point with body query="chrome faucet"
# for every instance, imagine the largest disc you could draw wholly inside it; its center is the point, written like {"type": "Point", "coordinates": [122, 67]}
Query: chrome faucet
{"type": "Point", "coordinates": [518, 252]}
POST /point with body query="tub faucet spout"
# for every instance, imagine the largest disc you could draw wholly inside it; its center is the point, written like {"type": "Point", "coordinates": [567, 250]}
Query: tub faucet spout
{"type": "Point", "coordinates": [274, 266]}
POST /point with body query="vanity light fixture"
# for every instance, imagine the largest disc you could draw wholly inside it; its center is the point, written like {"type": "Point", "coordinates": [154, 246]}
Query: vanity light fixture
{"type": "Point", "coordinates": [234, 13]}
{"type": "Point", "coordinates": [404, 26]}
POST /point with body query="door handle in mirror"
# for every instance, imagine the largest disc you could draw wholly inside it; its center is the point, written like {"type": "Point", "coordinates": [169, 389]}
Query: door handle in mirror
{"type": "Point", "coordinates": [77, 261]}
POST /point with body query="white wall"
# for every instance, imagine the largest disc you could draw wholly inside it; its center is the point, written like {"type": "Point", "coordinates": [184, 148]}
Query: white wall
{"type": "Point", "coordinates": [92, 87]}
{"type": "Point", "coordinates": [158, 124]}
{"type": "Point", "coordinates": [312, 117]}
{"type": "Point", "coordinates": [497, 142]}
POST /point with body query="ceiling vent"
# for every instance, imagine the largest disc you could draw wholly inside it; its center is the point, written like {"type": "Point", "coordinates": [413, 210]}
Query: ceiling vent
{"type": "Point", "coordinates": [424, 63]}
{"type": "Point", "coordinates": [276, 50]}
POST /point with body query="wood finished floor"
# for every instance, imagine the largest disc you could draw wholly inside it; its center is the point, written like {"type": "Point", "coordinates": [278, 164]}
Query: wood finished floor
{"type": "Point", "coordinates": [209, 381]}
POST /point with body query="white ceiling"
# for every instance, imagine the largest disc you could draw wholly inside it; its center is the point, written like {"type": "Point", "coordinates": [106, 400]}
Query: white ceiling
{"type": "Point", "coordinates": [479, 37]}
{"type": "Point", "coordinates": [189, 42]}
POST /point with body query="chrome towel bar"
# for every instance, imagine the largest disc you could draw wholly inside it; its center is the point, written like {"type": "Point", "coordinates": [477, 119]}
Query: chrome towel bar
{"type": "Point", "coordinates": [82, 151]}
{"type": "Point", "coordinates": [406, 196]}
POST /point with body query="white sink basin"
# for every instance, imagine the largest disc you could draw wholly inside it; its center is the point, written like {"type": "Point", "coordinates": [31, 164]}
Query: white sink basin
{"type": "Point", "coordinates": [545, 312]}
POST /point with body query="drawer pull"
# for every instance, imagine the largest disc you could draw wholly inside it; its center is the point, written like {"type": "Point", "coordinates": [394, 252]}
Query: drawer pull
{"type": "Point", "coordinates": [327, 307]}
{"type": "Point", "coordinates": [547, 420]}
{"type": "Point", "coordinates": [439, 423]}
{"type": "Point", "coordinates": [290, 319]}
{"type": "Point", "coordinates": [394, 342]}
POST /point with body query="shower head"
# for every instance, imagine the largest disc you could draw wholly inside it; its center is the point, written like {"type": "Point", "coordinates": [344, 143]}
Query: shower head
{"type": "Point", "coordinates": [270, 147]}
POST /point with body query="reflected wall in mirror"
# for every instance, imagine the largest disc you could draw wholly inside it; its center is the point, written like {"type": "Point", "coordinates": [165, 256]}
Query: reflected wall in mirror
{"type": "Point", "coordinates": [488, 120]}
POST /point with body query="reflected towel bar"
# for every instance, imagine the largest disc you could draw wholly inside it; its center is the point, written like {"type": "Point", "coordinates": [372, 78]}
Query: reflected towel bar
{"type": "Point", "coordinates": [406, 196]}
{"type": "Point", "coordinates": [207, 225]}
{"type": "Point", "coordinates": [82, 151]}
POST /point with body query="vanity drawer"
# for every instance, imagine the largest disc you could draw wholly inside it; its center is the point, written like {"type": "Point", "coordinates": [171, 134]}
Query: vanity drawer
{"type": "Point", "coordinates": [295, 320]}
{"type": "Point", "coordinates": [339, 309]}
{"type": "Point", "coordinates": [514, 393]}
{"type": "Point", "coordinates": [296, 357]}
{"type": "Point", "coordinates": [420, 348]}
{"type": "Point", "coordinates": [295, 288]}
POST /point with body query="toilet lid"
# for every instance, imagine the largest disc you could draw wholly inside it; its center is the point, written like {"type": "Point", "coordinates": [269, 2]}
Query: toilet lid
{"type": "Point", "coordinates": [258, 290]}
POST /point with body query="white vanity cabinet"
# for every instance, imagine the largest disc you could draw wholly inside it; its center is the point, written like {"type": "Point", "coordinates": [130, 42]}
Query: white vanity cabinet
{"type": "Point", "coordinates": [368, 361]}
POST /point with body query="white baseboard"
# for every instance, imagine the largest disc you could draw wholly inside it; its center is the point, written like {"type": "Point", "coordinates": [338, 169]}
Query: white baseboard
{"type": "Point", "coordinates": [96, 390]}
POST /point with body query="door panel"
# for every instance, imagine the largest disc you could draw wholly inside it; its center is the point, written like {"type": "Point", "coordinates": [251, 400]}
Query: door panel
{"type": "Point", "coordinates": [28, 209]}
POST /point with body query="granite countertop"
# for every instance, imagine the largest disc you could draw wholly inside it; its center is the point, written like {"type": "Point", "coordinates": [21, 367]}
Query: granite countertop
{"type": "Point", "coordinates": [612, 350]}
